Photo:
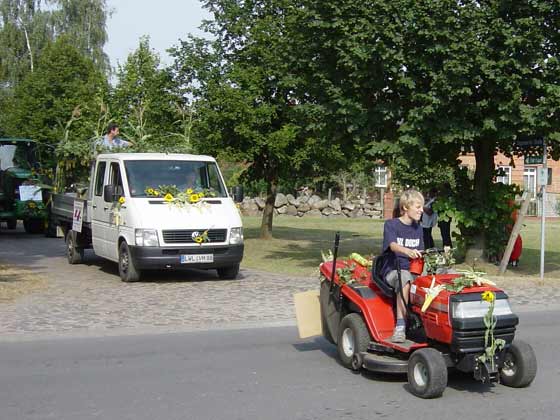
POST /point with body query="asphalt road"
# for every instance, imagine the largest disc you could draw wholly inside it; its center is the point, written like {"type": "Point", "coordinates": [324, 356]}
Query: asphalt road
{"type": "Point", "coordinates": [258, 373]}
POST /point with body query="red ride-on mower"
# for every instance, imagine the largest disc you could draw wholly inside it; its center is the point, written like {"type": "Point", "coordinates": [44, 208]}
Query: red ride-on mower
{"type": "Point", "coordinates": [358, 316]}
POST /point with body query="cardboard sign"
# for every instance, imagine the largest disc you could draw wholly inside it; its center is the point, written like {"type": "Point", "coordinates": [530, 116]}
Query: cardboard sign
{"type": "Point", "coordinates": [30, 193]}
{"type": "Point", "coordinates": [308, 313]}
{"type": "Point", "coordinates": [77, 216]}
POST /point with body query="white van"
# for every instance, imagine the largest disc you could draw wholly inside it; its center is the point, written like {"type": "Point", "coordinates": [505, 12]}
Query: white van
{"type": "Point", "coordinates": [128, 217]}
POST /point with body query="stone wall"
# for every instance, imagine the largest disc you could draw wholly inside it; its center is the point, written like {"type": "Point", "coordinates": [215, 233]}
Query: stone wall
{"type": "Point", "coordinates": [314, 205]}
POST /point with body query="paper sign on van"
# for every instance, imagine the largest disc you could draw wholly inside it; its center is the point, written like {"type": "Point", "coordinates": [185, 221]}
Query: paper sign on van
{"type": "Point", "coordinates": [77, 216]}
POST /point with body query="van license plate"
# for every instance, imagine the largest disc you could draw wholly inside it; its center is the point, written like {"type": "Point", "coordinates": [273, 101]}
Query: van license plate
{"type": "Point", "coordinates": [198, 258]}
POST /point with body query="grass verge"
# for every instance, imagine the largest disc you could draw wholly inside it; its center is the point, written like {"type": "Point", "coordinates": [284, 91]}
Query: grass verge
{"type": "Point", "coordinates": [297, 244]}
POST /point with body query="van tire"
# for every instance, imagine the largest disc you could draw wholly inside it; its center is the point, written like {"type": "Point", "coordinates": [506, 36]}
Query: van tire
{"type": "Point", "coordinates": [128, 272]}
{"type": "Point", "coordinates": [228, 273]}
{"type": "Point", "coordinates": [74, 254]}
{"type": "Point", "coordinates": [12, 223]}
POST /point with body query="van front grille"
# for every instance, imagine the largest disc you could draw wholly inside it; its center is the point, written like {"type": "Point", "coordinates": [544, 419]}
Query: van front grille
{"type": "Point", "coordinates": [186, 236]}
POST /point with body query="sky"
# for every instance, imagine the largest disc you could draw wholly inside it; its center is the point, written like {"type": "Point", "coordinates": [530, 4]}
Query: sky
{"type": "Point", "coordinates": [164, 21]}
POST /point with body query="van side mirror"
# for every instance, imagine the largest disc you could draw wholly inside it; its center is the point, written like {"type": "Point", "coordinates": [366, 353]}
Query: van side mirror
{"type": "Point", "coordinates": [108, 193]}
{"type": "Point", "coordinates": [112, 192]}
{"type": "Point", "coordinates": [238, 193]}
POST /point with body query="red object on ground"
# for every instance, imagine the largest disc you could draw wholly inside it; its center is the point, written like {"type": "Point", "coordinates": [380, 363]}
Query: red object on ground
{"type": "Point", "coordinates": [517, 249]}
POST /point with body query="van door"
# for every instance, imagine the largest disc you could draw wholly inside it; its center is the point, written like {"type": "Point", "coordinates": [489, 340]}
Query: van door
{"type": "Point", "coordinates": [98, 217]}
{"type": "Point", "coordinates": [115, 179]}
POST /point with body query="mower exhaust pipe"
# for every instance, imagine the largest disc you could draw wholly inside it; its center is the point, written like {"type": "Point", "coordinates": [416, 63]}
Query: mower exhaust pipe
{"type": "Point", "coordinates": [335, 254]}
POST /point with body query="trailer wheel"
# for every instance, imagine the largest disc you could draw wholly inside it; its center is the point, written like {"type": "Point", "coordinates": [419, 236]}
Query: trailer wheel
{"type": "Point", "coordinates": [353, 339]}
{"type": "Point", "coordinates": [73, 252]}
{"type": "Point", "coordinates": [127, 271]}
{"type": "Point", "coordinates": [520, 365]}
{"type": "Point", "coordinates": [427, 373]}
{"type": "Point", "coordinates": [228, 273]}
{"type": "Point", "coordinates": [12, 223]}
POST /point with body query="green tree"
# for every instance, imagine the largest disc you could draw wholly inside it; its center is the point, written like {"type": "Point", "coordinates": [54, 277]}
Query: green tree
{"type": "Point", "coordinates": [144, 102]}
{"type": "Point", "coordinates": [85, 22]}
{"type": "Point", "coordinates": [25, 30]}
{"type": "Point", "coordinates": [65, 87]}
{"type": "Point", "coordinates": [419, 83]}
{"type": "Point", "coordinates": [248, 103]}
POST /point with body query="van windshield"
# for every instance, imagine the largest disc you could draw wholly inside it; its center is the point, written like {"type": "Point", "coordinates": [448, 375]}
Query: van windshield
{"type": "Point", "coordinates": [145, 174]}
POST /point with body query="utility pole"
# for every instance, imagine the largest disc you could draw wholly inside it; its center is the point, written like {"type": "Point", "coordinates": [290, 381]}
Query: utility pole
{"type": "Point", "coordinates": [543, 180]}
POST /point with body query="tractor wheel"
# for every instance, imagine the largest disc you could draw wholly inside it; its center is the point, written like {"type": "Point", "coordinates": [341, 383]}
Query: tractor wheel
{"type": "Point", "coordinates": [127, 271]}
{"type": "Point", "coordinates": [12, 223]}
{"type": "Point", "coordinates": [353, 339]}
{"type": "Point", "coordinates": [74, 254]}
{"type": "Point", "coordinates": [228, 273]}
{"type": "Point", "coordinates": [427, 373]}
{"type": "Point", "coordinates": [520, 365]}
{"type": "Point", "coordinates": [33, 226]}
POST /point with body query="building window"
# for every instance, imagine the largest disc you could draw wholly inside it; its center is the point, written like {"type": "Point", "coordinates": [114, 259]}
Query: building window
{"type": "Point", "coordinates": [530, 180]}
{"type": "Point", "coordinates": [504, 175]}
{"type": "Point", "coordinates": [380, 176]}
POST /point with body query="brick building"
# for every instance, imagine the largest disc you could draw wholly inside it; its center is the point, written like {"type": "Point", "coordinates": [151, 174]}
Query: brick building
{"type": "Point", "coordinates": [515, 171]}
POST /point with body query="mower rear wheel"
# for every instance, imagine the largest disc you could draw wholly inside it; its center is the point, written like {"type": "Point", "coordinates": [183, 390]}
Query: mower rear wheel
{"type": "Point", "coordinates": [427, 373]}
{"type": "Point", "coordinates": [353, 339]}
{"type": "Point", "coordinates": [520, 365]}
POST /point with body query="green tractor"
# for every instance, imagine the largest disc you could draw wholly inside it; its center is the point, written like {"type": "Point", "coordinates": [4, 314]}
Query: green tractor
{"type": "Point", "coordinates": [22, 196]}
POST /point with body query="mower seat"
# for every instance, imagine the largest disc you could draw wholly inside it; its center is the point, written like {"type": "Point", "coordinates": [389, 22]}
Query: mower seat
{"type": "Point", "coordinates": [378, 279]}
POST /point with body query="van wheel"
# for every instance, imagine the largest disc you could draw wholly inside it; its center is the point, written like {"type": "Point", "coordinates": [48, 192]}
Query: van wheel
{"type": "Point", "coordinates": [520, 365]}
{"type": "Point", "coordinates": [12, 223]}
{"type": "Point", "coordinates": [427, 373]}
{"type": "Point", "coordinates": [353, 339]}
{"type": "Point", "coordinates": [74, 254]}
{"type": "Point", "coordinates": [228, 273]}
{"type": "Point", "coordinates": [127, 271]}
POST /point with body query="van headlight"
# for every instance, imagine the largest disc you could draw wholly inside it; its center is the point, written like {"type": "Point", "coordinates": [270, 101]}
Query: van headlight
{"type": "Point", "coordinates": [479, 308]}
{"type": "Point", "coordinates": [236, 236]}
{"type": "Point", "coordinates": [146, 237]}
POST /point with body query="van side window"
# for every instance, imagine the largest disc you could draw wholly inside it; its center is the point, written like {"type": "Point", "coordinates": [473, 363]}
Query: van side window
{"type": "Point", "coordinates": [115, 175]}
{"type": "Point", "coordinates": [99, 178]}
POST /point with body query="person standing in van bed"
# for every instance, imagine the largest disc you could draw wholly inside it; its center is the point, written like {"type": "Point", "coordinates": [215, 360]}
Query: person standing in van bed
{"type": "Point", "coordinates": [111, 141]}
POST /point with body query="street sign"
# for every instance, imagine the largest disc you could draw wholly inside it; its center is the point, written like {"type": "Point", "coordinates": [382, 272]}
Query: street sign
{"type": "Point", "coordinates": [533, 160]}
{"type": "Point", "coordinates": [532, 142]}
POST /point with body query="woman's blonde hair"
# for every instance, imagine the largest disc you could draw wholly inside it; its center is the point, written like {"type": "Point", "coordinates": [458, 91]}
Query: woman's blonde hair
{"type": "Point", "coordinates": [408, 197]}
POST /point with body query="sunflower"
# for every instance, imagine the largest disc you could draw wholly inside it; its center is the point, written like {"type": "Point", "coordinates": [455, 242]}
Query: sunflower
{"type": "Point", "coordinates": [168, 197]}
{"type": "Point", "coordinates": [121, 200]}
{"type": "Point", "coordinates": [199, 239]}
{"type": "Point", "coordinates": [189, 191]}
{"type": "Point", "coordinates": [32, 205]}
{"type": "Point", "coordinates": [194, 198]}
{"type": "Point", "coordinates": [150, 191]}
{"type": "Point", "coordinates": [488, 296]}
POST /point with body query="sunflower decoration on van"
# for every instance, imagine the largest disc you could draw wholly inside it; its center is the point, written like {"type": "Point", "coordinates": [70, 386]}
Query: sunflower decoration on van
{"type": "Point", "coordinates": [188, 198]}
{"type": "Point", "coordinates": [116, 210]}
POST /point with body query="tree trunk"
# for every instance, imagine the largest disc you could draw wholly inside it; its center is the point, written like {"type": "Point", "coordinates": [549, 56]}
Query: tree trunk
{"type": "Point", "coordinates": [268, 213]}
{"type": "Point", "coordinates": [484, 150]}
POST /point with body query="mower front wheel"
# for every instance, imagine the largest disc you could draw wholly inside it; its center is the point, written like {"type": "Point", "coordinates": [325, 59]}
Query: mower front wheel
{"type": "Point", "coordinates": [427, 373]}
{"type": "Point", "coordinates": [520, 365]}
{"type": "Point", "coordinates": [353, 339]}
